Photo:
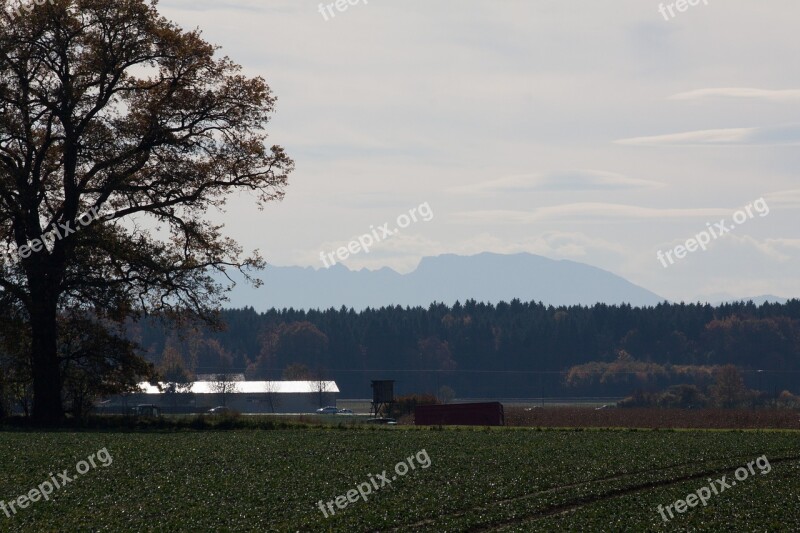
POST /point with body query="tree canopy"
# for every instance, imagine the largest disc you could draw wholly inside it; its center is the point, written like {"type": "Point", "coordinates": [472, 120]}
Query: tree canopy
{"type": "Point", "coordinates": [119, 134]}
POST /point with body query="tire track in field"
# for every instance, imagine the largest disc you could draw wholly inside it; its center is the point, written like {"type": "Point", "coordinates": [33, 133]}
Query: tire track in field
{"type": "Point", "coordinates": [586, 500]}
{"type": "Point", "coordinates": [612, 494]}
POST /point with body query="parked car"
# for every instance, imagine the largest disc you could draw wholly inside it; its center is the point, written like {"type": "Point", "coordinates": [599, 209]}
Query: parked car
{"type": "Point", "coordinates": [220, 410]}
{"type": "Point", "coordinates": [345, 412]}
{"type": "Point", "coordinates": [329, 410]}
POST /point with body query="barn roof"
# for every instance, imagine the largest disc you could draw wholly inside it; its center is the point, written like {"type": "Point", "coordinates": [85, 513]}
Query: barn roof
{"type": "Point", "coordinates": [250, 387]}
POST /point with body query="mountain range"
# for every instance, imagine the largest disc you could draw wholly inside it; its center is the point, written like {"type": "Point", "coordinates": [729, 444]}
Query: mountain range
{"type": "Point", "coordinates": [485, 277]}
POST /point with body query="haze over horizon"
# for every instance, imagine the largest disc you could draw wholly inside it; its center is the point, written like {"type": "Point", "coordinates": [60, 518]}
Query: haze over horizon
{"type": "Point", "coordinates": [597, 134]}
{"type": "Point", "coordinates": [448, 278]}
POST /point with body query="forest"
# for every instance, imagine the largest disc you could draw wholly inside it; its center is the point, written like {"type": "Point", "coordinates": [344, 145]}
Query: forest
{"type": "Point", "coordinates": [508, 350]}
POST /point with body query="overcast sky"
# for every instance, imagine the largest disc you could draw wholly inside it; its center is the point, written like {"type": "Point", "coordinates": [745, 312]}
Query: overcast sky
{"type": "Point", "coordinates": [588, 130]}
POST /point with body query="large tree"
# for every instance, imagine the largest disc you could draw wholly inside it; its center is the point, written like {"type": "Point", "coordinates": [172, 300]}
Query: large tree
{"type": "Point", "coordinates": [119, 133]}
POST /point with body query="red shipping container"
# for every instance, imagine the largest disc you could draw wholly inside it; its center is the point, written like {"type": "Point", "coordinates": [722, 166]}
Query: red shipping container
{"type": "Point", "coordinates": [460, 414]}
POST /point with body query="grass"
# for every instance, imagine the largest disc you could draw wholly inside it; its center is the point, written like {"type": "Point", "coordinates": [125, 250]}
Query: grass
{"type": "Point", "coordinates": [499, 479]}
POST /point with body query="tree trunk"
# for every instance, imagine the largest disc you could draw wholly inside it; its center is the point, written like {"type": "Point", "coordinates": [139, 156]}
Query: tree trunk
{"type": "Point", "coordinates": [4, 408]}
{"type": "Point", "coordinates": [47, 406]}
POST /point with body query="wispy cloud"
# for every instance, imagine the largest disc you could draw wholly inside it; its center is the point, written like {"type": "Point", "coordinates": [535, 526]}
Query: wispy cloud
{"type": "Point", "coordinates": [766, 136]}
{"type": "Point", "coordinates": [397, 103]}
{"type": "Point", "coordinates": [575, 211]}
{"type": "Point", "coordinates": [789, 198]}
{"type": "Point", "coordinates": [780, 95]}
{"type": "Point", "coordinates": [567, 180]}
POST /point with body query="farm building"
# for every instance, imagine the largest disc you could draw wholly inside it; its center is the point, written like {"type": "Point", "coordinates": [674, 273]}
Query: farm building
{"type": "Point", "coordinates": [242, 396]}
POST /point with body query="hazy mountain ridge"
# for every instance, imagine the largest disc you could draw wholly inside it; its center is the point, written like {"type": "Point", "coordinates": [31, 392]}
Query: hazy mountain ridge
{"type": "Point", "coordinates": [485, 277]}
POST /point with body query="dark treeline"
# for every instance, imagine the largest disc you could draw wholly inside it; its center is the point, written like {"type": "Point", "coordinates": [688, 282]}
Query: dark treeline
{"type": "Point", "coordinates": [511, 349]}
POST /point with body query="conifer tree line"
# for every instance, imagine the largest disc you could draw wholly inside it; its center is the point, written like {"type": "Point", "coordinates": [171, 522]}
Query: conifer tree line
{"type": "Point", "coordinates": [480, 349]}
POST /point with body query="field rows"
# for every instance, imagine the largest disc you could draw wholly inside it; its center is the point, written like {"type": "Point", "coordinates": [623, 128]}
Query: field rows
{"type": "Point", "coordinates": [510, 480]}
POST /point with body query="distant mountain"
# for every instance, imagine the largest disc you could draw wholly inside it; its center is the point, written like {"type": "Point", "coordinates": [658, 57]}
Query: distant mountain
{"type": "Point", "coordinates": [758, 300]}
{"type": "Point", "coordinates": [485, 277]}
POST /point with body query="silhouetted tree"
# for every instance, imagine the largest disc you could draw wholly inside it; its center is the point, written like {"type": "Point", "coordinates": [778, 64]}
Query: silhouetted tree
{"type": "Point", "coordinates": [272, 392]}
{"type": "Point", "coordinates": [728, 389]}
{"type": "Point", "coordinates": [177, 379]}
{"type": "Point", "coordinates": [224, 386]}
{"type": "Point", "coordinates": [110, 113]}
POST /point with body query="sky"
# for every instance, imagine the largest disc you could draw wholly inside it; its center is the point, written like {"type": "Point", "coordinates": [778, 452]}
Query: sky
{"type": "Point", "coordinates": [588, 130]}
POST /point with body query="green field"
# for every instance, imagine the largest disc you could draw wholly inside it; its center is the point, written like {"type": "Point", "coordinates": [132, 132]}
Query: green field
{"type": "Point", "coordinates": [478, 480]}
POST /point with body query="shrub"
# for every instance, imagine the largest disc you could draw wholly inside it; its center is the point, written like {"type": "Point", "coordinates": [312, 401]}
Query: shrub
{"type": "Point", "coordinates": [787, 399]}
{"type": "Point", "coordinates": [676, 397]}
{"type": "Point", "coordinates": [405, 405]}
{"type": "Point", "coordinates": [682, 397]}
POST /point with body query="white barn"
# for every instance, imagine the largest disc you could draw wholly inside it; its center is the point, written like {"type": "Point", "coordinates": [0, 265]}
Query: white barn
{"type": "Point", "coordinates": [242, 396]}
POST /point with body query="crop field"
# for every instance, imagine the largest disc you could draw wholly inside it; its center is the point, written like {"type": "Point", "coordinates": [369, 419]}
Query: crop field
{"type": "Point", "coordinates": [654, 418]}
{"type": "Point", "coordinates": [475, 480]}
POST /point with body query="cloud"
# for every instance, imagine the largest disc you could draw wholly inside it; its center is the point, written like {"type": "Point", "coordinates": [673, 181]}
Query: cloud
{"type": "Point", "coordinates": [404, 252]}
{"type": "Point", "coordinates": [391, 104]}
{"type": "Point", "coordinates": [782, 95]}
{"type": "Point", "coordinates": [789, 198]}
{"type": "Point", "coordinates": [766, 136]}
{"type": "Point", "coordinates": [581, 211]}
{"type": "Point", "coordinates": [552, 244]}
{"type": "Point", "coordinates": [558, 181]}
{"type": "Point", "coordinates": [216, 5]}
